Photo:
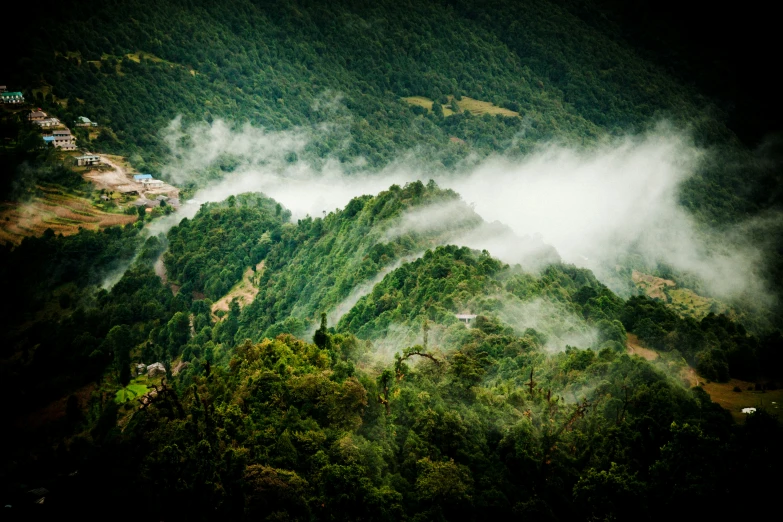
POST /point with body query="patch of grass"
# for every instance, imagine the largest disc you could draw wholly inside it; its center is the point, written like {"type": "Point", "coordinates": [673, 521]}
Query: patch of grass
{"type": "Point", "coordinates": [473, 106]}
{"type": "Point", "coordinates": [421, 101]}
{"type": "Point", "coordinates": [684, 301]}
{"type": "Point", "coordinates": [479, 107]}
{"type": "Point", "coordinates": [724, 394]}
{"type": "Point", "coordinates": [130, 392]}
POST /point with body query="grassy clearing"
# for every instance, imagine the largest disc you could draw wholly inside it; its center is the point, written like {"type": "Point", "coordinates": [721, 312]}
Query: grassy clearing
{"type": "Point", "coordinates": [684, 301]}
{"type": "Point", "coordinates": [479, 107]}
{"type": "Point", "coordinates": [138, 55]}
{"type": "Point", "coordinates": [654, 287]}
{"type": "Point", "coordinates": [130, 392]}
{"type": "Point", "coordinates": [476, 107]}
{"type": "Point", "coordinates": [64, 213]}
{"type": "Point", "coordinates": [723, 393]}
{"type": "Point", "coordinates": [244, 291]}
{"type": "Point", "coordinates": [688, 303]}
{"type": "Point", "coordinates": [421, 101]}
{"type": "Point", "coordinates": [635, 348]}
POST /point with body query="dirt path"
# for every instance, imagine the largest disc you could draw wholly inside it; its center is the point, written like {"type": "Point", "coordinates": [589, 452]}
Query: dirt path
{"type": "Point", "coordinates": [114, 180]}
{"type": "Point", "coordinates": [635, 348]}
{"type": "Point", "coordinates": [160, 270]}
{"type": "Point", "coordinates": [120, 179]}
{"type": "Point", "coordinates": [244, 291]}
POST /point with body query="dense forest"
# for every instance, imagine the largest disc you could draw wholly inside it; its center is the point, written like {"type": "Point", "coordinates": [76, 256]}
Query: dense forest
{"type": "Point", "coordinates": [283, 65]}
{"type": "Point", "coordinates": [399, 410]}
{"type": "Point", "coordinates": [249, 363]}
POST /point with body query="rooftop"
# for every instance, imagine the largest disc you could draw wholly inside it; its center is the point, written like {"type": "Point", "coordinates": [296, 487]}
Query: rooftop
{"type": "Point", "coordinates": [142, 176]}
{"type": "Point", "coordinates": [83, 119]}
{"type": "Point", "coordinates": [466, 316]}
{"type": "Point", "coordinates": [9, 94]}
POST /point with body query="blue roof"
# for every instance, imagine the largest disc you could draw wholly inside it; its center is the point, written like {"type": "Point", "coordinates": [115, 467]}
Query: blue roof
{"type": "Point", "coordinates": [142, 176]}
{"type": "Point", "coordinates": [48, 138]}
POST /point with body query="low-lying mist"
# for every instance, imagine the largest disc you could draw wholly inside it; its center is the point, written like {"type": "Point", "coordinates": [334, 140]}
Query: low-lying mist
{"type": "Point", "coordinates": [592, 204]}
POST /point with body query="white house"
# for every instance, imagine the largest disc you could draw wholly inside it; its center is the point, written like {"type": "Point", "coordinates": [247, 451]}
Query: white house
{"type": "Point", "coordinates": [466, 318]}
{"type": "Point", "coordinates": [88, 159]}
{"type": "Point", "coordinates": [48, 122]}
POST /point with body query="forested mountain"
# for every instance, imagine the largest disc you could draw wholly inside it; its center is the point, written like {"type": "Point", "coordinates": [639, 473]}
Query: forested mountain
{"type": "Point", "coordinates": [401, 411]}
{"type": "Point", "coordinates": [254, 362]}
{"type": "Point", "coordinates": [286, 64]}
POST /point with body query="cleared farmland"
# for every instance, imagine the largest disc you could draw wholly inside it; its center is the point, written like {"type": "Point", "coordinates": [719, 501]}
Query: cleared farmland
{"type": "Point", "coordinates": [57, 210]}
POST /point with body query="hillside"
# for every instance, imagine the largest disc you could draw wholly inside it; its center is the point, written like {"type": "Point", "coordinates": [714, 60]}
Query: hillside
{"type": "Point", "coordinates": [344, 288]}
{"type": "Point", "coordinates": [283, 65]}
{"type": "Point", "coordinates": [415, 414]}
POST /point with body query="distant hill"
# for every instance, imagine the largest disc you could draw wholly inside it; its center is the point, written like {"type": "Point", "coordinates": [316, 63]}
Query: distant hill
{"type": "Point", "coordinates": [269, 63]}
{"type": "Point", "coordinates": [285, 64]}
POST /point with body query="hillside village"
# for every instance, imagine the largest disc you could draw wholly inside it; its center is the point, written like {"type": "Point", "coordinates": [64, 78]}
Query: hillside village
{"type": "Point", "coordinates": [119, 190]}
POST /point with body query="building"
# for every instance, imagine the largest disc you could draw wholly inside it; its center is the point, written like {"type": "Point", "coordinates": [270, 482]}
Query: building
{"type": "Point", "coordinates": [48, 122]}
{"type": "Point", "coordinates": [88, 159]}
{"type": "Point", "coordinates": [466, 318]}
{"type": "Point", "coordinates": [63, 139]}
{"type": "Point", "coordinates": [141, 177]}
{"type": "Point", "coordinates": [3, 88]}
{"type": "Point", "coordinates": [48, 140]}
{"type": "Point", "coordinates": [11, 97]}
{"type": "Point", "coordinates": [151, 182]}
{"type": "Point", "coordinates": [36, 116]}
{"type": "Point", "coordinates": [81, 121]}
{"type": "Point", "coordinates": [144, 202]}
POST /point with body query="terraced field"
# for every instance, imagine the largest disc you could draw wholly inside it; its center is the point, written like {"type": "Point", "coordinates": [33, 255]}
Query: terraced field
{"type": "Point", "coordinates": [64, 213]}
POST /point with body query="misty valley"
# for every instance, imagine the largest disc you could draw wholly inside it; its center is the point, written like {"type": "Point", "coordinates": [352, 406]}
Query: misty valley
{"type": "Point", "coordinates": [450, 260]}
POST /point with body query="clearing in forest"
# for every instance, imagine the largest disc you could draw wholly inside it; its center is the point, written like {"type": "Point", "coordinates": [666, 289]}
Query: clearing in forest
{"type": "Point", "coordinates": [684, 301]}
{"type": "Point", "coordinates": [724, 394]}
{"type": "Point", "coordinates": [244, 291]}
{"type": "Point", "coordinates": [653, 286]}
{"type": "Point", "coordinates": [130, 392]}
{"type": "Point", "coordinates": [732, 396]}
{"type": "Point", "coordinates": [476, 107]}
{"type": "Point", "coordinates": [55, 209]}
{"type": "Point", "coordinates": [635, 348]}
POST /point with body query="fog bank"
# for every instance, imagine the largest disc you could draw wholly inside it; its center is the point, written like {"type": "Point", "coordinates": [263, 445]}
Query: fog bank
{"type": "Point", "coordinates": [593, 205]}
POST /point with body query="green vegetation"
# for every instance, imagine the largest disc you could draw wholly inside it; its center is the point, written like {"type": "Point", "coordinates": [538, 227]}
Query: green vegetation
{"type": "Point", "coordinates": [283, 65]}
{"type": "Point", "coordinates": [209, 253]}
{"type": "Point", "coordinates": [315, 265]}
{"type": "Point", "coordinates": [396, 410]}
{"type": "Point", "coordinates": [401, 411]}
{"type": "Point", "coordinates": [130, 392]}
